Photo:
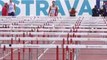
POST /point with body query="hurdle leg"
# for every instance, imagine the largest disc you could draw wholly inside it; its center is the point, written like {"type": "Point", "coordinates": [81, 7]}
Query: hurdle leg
{"type": "Point", "coordinates": [63, 50]}
{"type": "Point", "coordinates": [72, 54]}
{"type": "Point", "coordinates": [68, 38]}
{"type": "Point", "coordinates": [67, 53]}
{"type": "Point", "coordinates": [11, 53]}
{"type": "Point", "coordinates": [37, 51]}
{"type": "Point", "coordinates": [18, 54]}
{"type": "Point", "coordinates": [11, 49]}
{"type": "Point", "coordinates": [29, 53]}
{"type": "Point", "coordinates": [23, 50]}
{"type": "Point", "coordinates": [57, 53]}
{"type": "Point", "coordinates": [4, 49]}
{"type": "Point", "coordinates": [63, 53]}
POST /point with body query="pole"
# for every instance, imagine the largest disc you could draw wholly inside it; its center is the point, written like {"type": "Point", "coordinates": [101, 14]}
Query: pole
{"type": "Point", "coordinates": [11, 49]}
{"type": "Point", "coordinates": [37, 49]}
{"type": "Point", "coordinates": [67, 53]}
{"type": "Point", "coordinates": [23, 50]}
{"type": "Point", "coordinates": [11, 53]}
{"type": "Point", "coordinates": [63, 50]}
{"type": "Point", "coordinates": [68, 38]}
{"type": "Point", "coordinates": [18, 54]}
{"type": "Point", "coordinates": [4, 49]}
{"type": "Point", "coordinates": [57, 53]}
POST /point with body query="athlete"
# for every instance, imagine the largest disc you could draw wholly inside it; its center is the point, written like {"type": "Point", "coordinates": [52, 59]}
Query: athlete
{"type": "Point", "coordinates": [12, 9]}
{"type": "Point", "coordinates": [53, 10]}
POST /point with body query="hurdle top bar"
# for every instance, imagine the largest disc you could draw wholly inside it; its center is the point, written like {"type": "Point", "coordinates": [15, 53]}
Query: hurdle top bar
{"type": "Point", "coordinates": [53, 46]}
{"type": "Point", "coordinates": [51, 39]}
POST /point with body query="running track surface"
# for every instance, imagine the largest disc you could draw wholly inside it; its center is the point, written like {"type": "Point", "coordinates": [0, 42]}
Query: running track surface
{"type": "Point", "coordinates": [50, 54]}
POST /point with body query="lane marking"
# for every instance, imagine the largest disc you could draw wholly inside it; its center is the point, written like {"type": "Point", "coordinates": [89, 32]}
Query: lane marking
{"type": "Point", "coordinates": [10, 52]}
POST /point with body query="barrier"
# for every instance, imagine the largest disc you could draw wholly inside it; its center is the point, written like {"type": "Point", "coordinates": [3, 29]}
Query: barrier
{"type": "Point", "coordinates": [57, 53]}
{"type": "Point", "coordinates": [51, 46]}
{"type": "Point", "coordinates": [18, 54]}
{"type": "Point", "coordinates": [68, 32]}
{"type": "Point", "coordinates": [52, 39]}
{"type": "Point", "coordinates": [67, 49]}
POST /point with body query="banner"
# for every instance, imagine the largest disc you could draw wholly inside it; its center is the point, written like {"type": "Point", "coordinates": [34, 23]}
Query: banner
{"type": "Point", "coordinates": [41, 7]}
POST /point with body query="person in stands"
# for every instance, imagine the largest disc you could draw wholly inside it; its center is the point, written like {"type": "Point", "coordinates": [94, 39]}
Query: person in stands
{"type": "Point", "coordinates": [12, 9]}
{"type": "Point", "coordinates": [95, 11]}
{"type": "Point", "coordinates": [104, 10]}
{"type": "Point", "coordinates": [53, 10]}
{"type": "Point", "coordinates": [101, 11]}
{"type": "Point", "coordinates": [72, 12]}
{"type": "Point", "coordinates": [5, 10]}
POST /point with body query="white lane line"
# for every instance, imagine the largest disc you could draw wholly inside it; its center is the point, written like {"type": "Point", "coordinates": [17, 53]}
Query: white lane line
{"type": "Point", "coordinates": [44, 52]}
{"type": "Point", "coordinates": [10, 52]}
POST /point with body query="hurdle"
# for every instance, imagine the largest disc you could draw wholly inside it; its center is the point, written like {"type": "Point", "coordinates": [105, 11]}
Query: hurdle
{"type": "Point", "coordinates": [52, 46]}
{"type": "Point", "coordinates": [51, 39]}
{"type": "Point", "coordinates": [51, 29]}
